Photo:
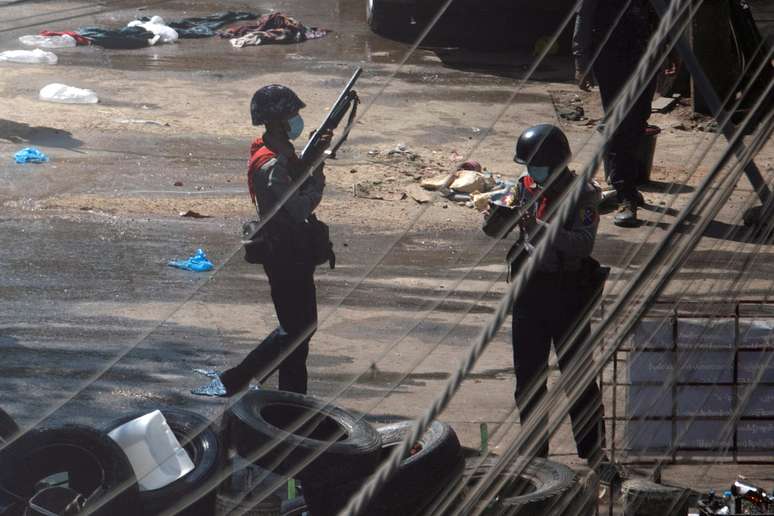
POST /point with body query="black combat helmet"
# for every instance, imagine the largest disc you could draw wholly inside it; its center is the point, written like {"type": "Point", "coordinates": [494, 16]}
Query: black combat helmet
{"type": "Point", "coordinates": [274, 102]}
{"type": "Point", "coordinates": [543, 145]}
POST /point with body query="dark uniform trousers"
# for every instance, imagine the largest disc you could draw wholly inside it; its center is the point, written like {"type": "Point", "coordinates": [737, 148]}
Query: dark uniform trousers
{"type": "Point", "coordinates": [295, 301]}
{"type": "Point", "coordinates": [546, 312]}
{"type": "Point", "coordinates": [617, 60]}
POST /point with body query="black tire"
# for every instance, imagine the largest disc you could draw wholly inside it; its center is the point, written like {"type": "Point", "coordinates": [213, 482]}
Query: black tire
{"type": "Point", "coordinates": [261, 424]}
{"type": "Point", "coordinates": [548, 488]}
{"type": "Point", "coordinates": [8, 427]}
{"type": "Point", "coordinates": [643, 497]}
{"type": "Point", "coordinates": [204, 448]}
{"type": "Point", "coordinates": [418, 479]}
{"type": "Point", "coordinates": [387, 18]}
{"type": "Point", "coordinates": [90, 458]}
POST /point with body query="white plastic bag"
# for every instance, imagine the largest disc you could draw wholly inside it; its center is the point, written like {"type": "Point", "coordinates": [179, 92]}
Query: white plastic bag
{"type": "Point", "coordinates": [63, 41]}
{"type": "Point", "coordinates": [156, 25]}
{"type": "Point", "coordinates": [153, 450]}
{"type": "Point", "coordinates": [36, 56]}
{"type": "Point", "coordinates": [56, 92]}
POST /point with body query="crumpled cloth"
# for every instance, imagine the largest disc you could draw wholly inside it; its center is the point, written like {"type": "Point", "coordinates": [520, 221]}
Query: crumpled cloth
{"type": "Point", "coordinates": [79, 40]}
{"type": "Point", "coordinates": [163, 32]}
{"type": "Point", "coordinates": [196, 263]}
{"type": "Point", "coordinates": [215, 389]}
{"type": "Point", "coordinates": [205, 26]}
{"type": "Point", "coordinates": [30, 155]}
{"type": "Point", "coordinates": [126, 38]}
{"type": "Point", "coordinates": [271, 28]}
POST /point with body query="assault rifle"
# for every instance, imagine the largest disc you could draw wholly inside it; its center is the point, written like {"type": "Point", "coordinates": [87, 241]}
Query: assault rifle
{"type": "Point", "coordinates": [347, 101]}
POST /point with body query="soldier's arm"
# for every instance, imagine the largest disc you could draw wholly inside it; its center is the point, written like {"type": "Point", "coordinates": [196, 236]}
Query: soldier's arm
{"type": "Point", "coordinates": [577, 240]}
{"type": "Point", "coordinates": [305, 199]}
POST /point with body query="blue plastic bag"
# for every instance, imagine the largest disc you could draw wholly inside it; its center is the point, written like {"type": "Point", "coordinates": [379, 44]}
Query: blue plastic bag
{"type": "Point", "coordinates": [196, 263]}
{"type": "Point", "coordinates": [30, 155]}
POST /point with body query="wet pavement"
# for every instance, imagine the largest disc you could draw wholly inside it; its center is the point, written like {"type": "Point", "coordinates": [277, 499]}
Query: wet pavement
{"type": "Point", "coordinates": [94, 324]}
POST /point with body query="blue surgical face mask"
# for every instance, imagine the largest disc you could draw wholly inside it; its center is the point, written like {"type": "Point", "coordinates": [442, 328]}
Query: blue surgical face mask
{"type": "Point", "coordinates": [296, 127]}
{"type": "Point", "coordinates": [538, 174]}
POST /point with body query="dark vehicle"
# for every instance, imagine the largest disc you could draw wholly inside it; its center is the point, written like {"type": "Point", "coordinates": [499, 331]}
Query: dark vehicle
{"type": "Point", "coordinates": [498, 23]}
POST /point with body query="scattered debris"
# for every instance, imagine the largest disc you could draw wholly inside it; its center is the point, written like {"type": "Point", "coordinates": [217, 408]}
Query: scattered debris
{"type": "Point", "coordinates": [367, 190]}
{"type": "Point", "coordinates": [418, 194]}
{"type": "Point", "coordinates": [143, 121]}
{"type": "Point", "coordinates": [402, 150]}
{"type": "Point", "coordinates": [571, 113]}
{"type": "Point", "coordinates": [194, 215]}
{"type": "Point", "coordinates": [62, 93]}
{"type": "Point", "coordinates": [435, 182]}
{"type": "Point", "coordinates": [30, 155]}
{"type": "Point", "coordinates": [196, 263]}
{"type": "Point", "coordinates": [663, 104]}
{"type": "Point", "coordinates": [36, 56]}
{"type": "Point", "coordinates": [469, 181]}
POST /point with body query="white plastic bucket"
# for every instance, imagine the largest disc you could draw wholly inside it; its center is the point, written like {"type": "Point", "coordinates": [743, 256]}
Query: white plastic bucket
{"type": "Point", "coordinates": [153, 450]}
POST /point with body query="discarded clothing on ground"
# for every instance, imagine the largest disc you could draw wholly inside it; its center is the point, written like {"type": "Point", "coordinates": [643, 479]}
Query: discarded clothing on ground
{"type": "Point", "coordinates": [196, 263]}
{"type": "Point", "coordinates": [205, 26]}
{"type": "Point", "coordinates": [271, 28]}
{"type": "Point", "coordinates": [126, 38]}
{"type": "Point", "coordinates": [163, 33]}
{"type": "Point", "coordinates": [79, 39]}
{"type": "Point", "coordinates": [30, 155]}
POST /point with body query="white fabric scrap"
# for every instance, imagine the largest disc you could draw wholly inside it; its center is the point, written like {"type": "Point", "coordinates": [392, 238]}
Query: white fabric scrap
{"type": "Point", "coordinates": [156, 25]}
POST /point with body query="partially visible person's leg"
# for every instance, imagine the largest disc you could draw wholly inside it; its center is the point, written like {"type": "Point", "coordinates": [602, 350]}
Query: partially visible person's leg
{"type": "Point", "coordinates": [297, 312]}
{"type": "Point", "coordinates": [587, 412]}
{"type": "Point", "coordinates": [531, 344]}
{"type": "Point", "coordinates": [624, 169]}
{"type": "Point", "coordinates": [294, 296]}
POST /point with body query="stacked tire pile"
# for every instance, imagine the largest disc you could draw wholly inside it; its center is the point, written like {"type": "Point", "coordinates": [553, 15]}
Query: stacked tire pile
{"type": "Point", "coordinates": [75, 469]}
{"type": "Point", "coordinates": [292, 434]}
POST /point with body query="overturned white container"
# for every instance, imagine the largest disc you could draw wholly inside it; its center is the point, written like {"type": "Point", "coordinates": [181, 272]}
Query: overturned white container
{"type": "Point", "coordinates": [153, 450]}
{"type": "Point", "coordinates": [36, 56]}
{"type": "Point", "coordinates": [56, 92]}
{"type": "Point", "coordinates": [34, 40]}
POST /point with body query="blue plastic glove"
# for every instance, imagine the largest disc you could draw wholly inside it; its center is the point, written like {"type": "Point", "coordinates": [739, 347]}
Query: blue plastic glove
{"type": "Point", "coordinates": [196, 263]}
{"type": "Point", "coordinates": [30, 155]}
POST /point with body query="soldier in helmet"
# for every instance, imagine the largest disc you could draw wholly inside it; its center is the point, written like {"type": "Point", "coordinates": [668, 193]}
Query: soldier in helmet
{"type": "Point", "coordinates": [553, 300]}
{"type": "Point", "coordinates": [273, 168]}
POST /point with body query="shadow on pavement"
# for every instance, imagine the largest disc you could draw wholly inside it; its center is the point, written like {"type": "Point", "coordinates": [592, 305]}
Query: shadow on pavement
{"type": "Point", "coordinates": [19, 132]}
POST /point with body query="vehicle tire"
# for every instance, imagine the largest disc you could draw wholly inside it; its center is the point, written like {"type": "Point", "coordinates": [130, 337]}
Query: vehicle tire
{"type": "Point", "coordinates": [418, 479]}
{"type": "Point", "coordinates": [90, 458]}
{"type": "Point", "coordinates": [8, 427]}
{"type": "Point", "coordinates": [329, 443]}
{"type": "Point", "coordinates": [643, 497]}
{"type": "Point", "coordinates": [543, 487]}
{"type": "Point", "coordinates": [387, 18]}
{"type": "Point", "coordinates": [201, 441]}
